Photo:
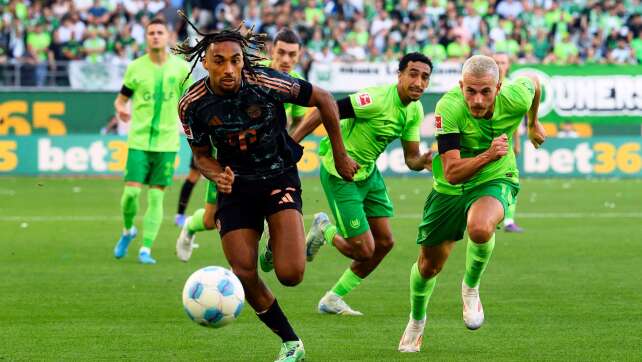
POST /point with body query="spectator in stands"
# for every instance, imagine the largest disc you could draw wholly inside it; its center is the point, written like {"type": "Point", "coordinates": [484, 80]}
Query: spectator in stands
{"type": "Point", "coordinates": [38, 52]}
{"type": "Point", "coordinates": [622, 54]}
{"type": "Point", "coordinates": [125, 45]}
{"type": "Point", "coordinates": [94, 46]}
{"type": "Point", "coordinates": [98, 14]}
{"type": "Point", "coordinates": [434, 50]}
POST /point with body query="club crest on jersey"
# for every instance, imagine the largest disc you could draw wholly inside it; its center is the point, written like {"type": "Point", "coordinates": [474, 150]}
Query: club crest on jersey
{"type": "Point", "coordinates": [188, 131]}
{"type": "Point", "coordinates": [364, 99]}
{"type": "Point", "coordinates": [254, 111]}
{"type": "Point", "coordinates": [438, 122]}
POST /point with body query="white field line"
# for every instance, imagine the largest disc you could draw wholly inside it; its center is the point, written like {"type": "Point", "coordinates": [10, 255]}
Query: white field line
{"type": "Point", "coordinates": [521, 215]}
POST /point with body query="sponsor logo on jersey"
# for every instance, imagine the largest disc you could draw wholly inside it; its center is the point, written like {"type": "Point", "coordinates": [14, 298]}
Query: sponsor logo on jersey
{"type": "Point", "coordinates": [254, 111]}
{"type": "Point", "coordinates": [188, 131]}
{"type": "Point", "coordinates": [215, 121]}
{"type": "Point", "coordinates": [438, 122]}
{"type": "Point", "coordinates": [364, 99]}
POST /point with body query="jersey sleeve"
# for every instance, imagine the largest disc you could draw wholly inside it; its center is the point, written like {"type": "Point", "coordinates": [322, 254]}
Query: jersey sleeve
{"type": "Point", "coordinates": [413, 127]}
{"type": "Point", "coordinates": [446, 117]}
{"type": "Point", "coordinates": [283, 87]}
{"type": "Point", "coordinates": [196, 132]}
{"type": "Point", "coordinates": [128, 80]}
{"type": "Point", "coordinates": [519, 95]}
{"type": "Point", "coordinates": [365, 104]}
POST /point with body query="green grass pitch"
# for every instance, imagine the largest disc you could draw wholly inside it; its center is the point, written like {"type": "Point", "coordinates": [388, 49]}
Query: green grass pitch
{"type": "Point", "coordinates": [567, 289]}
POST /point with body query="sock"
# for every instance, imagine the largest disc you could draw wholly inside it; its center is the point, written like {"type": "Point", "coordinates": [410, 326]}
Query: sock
{"type": "Point", "coordinates": [186, 192]}
{"type": "Point", "coordinates": [420, 292]}
{"type": "Point", "coordinates": [477, 257]}
{"type": "Point", "coordinates": [274, 318]}
{"type": "Point", "coordinates": [509, 218]}
{"type": "Point", "coordinates": [129, 205]}
{"type": "Point", "coordinates": [196, 223]}
{"type": "Point", "coordinates": [144, 249]}
{"type": "Point", "coordinates": [348, 281]}
{"type": "Point", "coordinates": [329, 233]}
{"type": "Point", "coordinates": [153, 216]}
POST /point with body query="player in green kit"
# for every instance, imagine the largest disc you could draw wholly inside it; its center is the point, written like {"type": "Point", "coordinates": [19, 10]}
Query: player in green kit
{"type": "Point", "coordinates": [503, 62]}
{"type": "Point", "coordinates": [371, 120]}
{"type": "Point", "coordinates": [475, 181]}
{"type": "Point", "coordinates": [285, 55]}
{"type": "Point", "coordinates": [154, 83]}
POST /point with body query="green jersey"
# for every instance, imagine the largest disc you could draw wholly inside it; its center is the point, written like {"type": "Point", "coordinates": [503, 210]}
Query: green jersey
{"type": "Point", "coordinates": [380, 118]}
{"type": "Point", "coordinates": [156, 92]}
{"type": "Point", "coordinates": [476, 134]}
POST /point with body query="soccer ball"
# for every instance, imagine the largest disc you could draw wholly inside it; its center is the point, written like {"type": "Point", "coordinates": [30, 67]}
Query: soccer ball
{"type": "Point", "coordinates": [213, 297]}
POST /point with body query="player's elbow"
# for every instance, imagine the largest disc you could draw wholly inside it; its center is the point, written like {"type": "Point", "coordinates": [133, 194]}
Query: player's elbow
{"type": "Point", "coordinates": [320, 97]}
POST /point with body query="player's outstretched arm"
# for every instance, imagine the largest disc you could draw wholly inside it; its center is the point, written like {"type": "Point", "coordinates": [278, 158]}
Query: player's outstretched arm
{"type": "Point", "coordinates": [415, 160]}
{"type": "Point", "coordinates": [536, 132]}
{"type": "Point", "coordinates": [212, 169]}
{"type": "Point", "coordinates": [320, 98]}
{"type": "Point", "coordinates": [309, 123]}
{"type": "Point", "coordinates": [458, 170]}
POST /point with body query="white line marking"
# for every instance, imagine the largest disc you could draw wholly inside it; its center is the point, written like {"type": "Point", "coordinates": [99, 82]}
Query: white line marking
{"type": "Point", "coordinates": [522, 215]}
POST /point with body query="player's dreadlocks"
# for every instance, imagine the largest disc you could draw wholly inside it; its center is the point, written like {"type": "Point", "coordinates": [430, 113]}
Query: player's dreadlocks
{"type": "Point", "coordinates": [251, 45]}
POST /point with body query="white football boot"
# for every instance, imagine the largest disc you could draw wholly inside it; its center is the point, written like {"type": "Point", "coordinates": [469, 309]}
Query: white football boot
{"type": "Point", "coordinates": [413, 336]}
{"type": "Point", "coordinates": [185, 243]}
{"type": "Point", "coordinates": [334, 304]}
{"type": "Point", "coordinates": [473, 311]}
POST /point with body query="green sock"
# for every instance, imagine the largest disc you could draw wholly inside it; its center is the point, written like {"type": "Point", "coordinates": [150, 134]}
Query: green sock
{"type": "Point", "coordinates": [153, 216]}
{"type": "Point", "coordinates": [477, 257]}
{"type": "Point", "coordinates": [329, 233]}
{"type": "Point", "coordinates": [129, 205]}
{"type": "Point", "coordinates": [420, 292]}
{"type": "Point", "coordinates": [348, 281]}
{"type": "Point", "coordinates": [196, 223]}
{"type": "Point", "coordinates": [509, 218]}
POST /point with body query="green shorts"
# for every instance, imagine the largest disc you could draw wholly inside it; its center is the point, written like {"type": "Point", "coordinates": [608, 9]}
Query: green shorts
{"type": "Point", "coordinates": [211, 192]}
{"type": "Point", "coordinates": [352, 203]}
{"type": "Point", "coordinates": [150, 168]}
{"type": "Point", "coordinates": [445, 216]}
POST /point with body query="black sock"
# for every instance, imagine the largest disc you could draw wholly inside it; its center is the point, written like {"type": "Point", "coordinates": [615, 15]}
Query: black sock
{"type": "Point", "coordinates": [186, 191]}
{"type": "Point", "coordinates": [274, 318]}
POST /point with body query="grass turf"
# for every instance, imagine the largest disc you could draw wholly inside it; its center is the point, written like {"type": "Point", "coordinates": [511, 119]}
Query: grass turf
{"type": "Point", "coordinates": [566, 289]}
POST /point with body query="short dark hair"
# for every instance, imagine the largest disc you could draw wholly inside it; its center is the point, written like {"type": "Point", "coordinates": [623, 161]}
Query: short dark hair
{"type": "Point", "coordinates": [414, 57]}
{"type": "Point", "coordinates": [287, 35]}
{"type": "Point", "coordinates": [157, 21]}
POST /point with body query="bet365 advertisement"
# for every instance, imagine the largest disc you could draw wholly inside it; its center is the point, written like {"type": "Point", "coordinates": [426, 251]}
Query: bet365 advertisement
{"type": "Point", "coordinates": [107, 155]}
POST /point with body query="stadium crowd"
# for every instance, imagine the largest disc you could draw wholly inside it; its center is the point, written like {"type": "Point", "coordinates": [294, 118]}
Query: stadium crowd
{"type": "Point", "coordinates": [41, 34]}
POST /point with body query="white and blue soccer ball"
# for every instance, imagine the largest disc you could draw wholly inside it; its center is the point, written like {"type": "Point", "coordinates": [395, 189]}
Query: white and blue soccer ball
{"type": "Point", "coordinates": [213, 297]}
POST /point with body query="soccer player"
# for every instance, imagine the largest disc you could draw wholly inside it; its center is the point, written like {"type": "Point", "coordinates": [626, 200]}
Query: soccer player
{"type": "Point", "coordinates": [239, 110]}
{"type": "Point", "coordinates": [285, 54]}
{"type": "Point", "coordinates": [503, 62]}
{"type": "Point", "coordinates": [371, 120]}
{"type": "Point", "coordinates": [475, 180]}
{"type": "Point", "coordinates": [154, 83]}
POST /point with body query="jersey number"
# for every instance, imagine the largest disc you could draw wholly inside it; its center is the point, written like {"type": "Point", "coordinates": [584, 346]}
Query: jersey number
{"type": "Point", "coordinates": [242, 138]}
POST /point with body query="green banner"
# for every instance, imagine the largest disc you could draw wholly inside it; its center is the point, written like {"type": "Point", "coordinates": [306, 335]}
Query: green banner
{"type": "Point", "coordinates": [588, 93]}
{"type": "Point", "coordinates": [107, 155]}
{"type": "Point", "coordinates": [67, 113]}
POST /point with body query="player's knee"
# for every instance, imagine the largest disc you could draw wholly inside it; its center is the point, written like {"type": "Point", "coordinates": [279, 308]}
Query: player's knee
{"type": "Point", "coordinates": [363, 251]}
{"type": "Point", "coordinates": [291, 277]}
{"type": "Point", "coordinates": [245, 274]}
{"type": "Point", "coordinates": [385, 244]}
{"type": "Point", "coordinates": [428, 269]}
{"type": "Point", "coordinates": [480, 233]}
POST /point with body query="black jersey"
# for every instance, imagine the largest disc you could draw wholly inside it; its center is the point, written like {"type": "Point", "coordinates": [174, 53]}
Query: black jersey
{"type": "Point", "coordinates": [248, 128]}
